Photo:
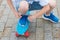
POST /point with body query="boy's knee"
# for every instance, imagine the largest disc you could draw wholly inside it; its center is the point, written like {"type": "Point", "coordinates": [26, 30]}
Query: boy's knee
{"type": "Point", "coordinates": [47, 7]}
{"type": "Point", "coordinates": [52, 3]}
{"type": "Point", "coordinates": [23, 6]}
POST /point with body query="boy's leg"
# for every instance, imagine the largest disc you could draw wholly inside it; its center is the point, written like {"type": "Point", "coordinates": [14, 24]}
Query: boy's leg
{"type": "Point", "coordinates": [52, 4]}
{"type": "Point", "coordinates": [49, 14]}
{"type": "Point", "coordinates": [23, 7]}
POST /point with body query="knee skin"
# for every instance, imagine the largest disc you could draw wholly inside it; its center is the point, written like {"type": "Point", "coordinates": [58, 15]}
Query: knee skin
{"type": "Point", "coordinates": [23, 7]}
{"type": "Point", "coordinates": [52, 3]}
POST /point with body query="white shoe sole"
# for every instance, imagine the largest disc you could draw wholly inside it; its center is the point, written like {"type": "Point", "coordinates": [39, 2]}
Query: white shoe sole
{"type": "Point", "coordinates": [48, 19]}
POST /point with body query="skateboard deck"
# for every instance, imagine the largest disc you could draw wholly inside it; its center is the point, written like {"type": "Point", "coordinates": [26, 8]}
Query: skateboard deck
{"type": "Point", "coordinates": [22, 25]}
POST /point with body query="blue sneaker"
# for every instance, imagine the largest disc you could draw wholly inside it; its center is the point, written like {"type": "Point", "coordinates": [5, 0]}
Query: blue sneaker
{"type": "Point", "coordinates": [51, 18]}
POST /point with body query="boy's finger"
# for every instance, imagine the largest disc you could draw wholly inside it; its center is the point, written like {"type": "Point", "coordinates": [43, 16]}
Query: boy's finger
{"type": "Point", "coordinates": [20, 16]}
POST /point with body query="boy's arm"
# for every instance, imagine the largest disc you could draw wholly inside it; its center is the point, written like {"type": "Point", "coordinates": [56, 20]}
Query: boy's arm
{"type": "Point", "coordinates": [40, 13]}
{"type": "Point", "coordinates": [12, 8]}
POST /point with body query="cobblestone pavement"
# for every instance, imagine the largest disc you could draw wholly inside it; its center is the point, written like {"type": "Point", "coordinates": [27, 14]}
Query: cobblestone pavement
{"type": "Point", "coordinates": [39, 29]}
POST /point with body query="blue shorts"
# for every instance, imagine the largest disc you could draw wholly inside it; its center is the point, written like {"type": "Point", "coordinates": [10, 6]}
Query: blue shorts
{"type": "Point", "coordinates": [33, 6]}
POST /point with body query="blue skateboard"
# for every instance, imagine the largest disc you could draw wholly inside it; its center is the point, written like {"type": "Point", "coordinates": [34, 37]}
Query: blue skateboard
{"type": "Point", "coordinates": [22, 25]}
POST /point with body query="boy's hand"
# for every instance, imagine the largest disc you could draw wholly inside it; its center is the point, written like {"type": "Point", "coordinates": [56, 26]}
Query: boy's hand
{"type": "Point", "coordinates": [18, 15]}
{"type": "Point", "coordinates": [31, 18]}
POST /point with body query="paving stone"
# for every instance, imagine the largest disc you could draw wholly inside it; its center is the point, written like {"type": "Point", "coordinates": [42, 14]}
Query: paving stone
{"type": "Point", "coordinates": [33, 24]}
{"type": "Point", "coordinates": [2, 26]}
{"type": "Point", "coordinates": [56, 25]}
{"type": "Point", "coordinates": [0, 2]}
{"type": "Point", "coordinates": [1, 14]}
{"type": "Point", "coordinates": [34, 20]}
{"type": "Point", "coordinates": [48, 31]}
{"type": "Point", "coordinates": [55, 12]}
{"type": "Point", "coordinates": [48, 26]}
{"type": "Point", "coordinates": [14, 28]}
{"type": "Point", "coordinates": [58, 3]}
{"type": "Point", "coordinates": [58, 11]}
{"type": "Point", "coordinates": [13, 37]}
{"type": "Point", "coordinates": [6, 11]}
{"type": "Point", "coordinates": [41, 38]}
{"type": "Point", "coordinates": [39, 34]}
{"type": "Point", "coordinates": [56, 32]}
{"type": "Point", "coordinates": [32, 27]}
{"type": "Point", "coordinates": [32, 36]}
{"type": "Point", "coordinates": [4, 2]}
{"type": "Point", "coordinates": [11, 22]}
{"type": "Point", "coordinates": [1, 10]}
{"type": "Point", "coordinates": [5, 38]}
{"type": "Point", "coordinates": [7, 32]}
{"type": "Point", "coordinates": [56, 38]}
{"type": "Point", "coordinates": [21, 38]}
{"type": "Point", "coordinates": [1, 33]}
{"type": "Point", "coordinates": [40, 23]}
{"type": "Point", "coordinates": [3, 19]}
{"type": "Point", "coordinates": [58, 8]}
{"type": "Point", "coordinates": [11, 15]}
{"type": "Point", "coordinates": [48, 36]}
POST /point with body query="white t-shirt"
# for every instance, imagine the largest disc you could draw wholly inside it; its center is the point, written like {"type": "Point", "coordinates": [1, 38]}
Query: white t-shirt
{"type": "Point", "coordinates": [41, 2]}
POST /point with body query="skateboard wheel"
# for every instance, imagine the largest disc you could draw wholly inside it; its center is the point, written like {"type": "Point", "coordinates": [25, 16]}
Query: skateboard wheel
{"type": "Point", "coordinates": [26, 34]}
{"type": "Point", "coordinates": [17, 35]}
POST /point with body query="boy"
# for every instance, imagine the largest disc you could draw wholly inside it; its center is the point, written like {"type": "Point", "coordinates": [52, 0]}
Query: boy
{"type": "Point", "coordinates": [46, 7]}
